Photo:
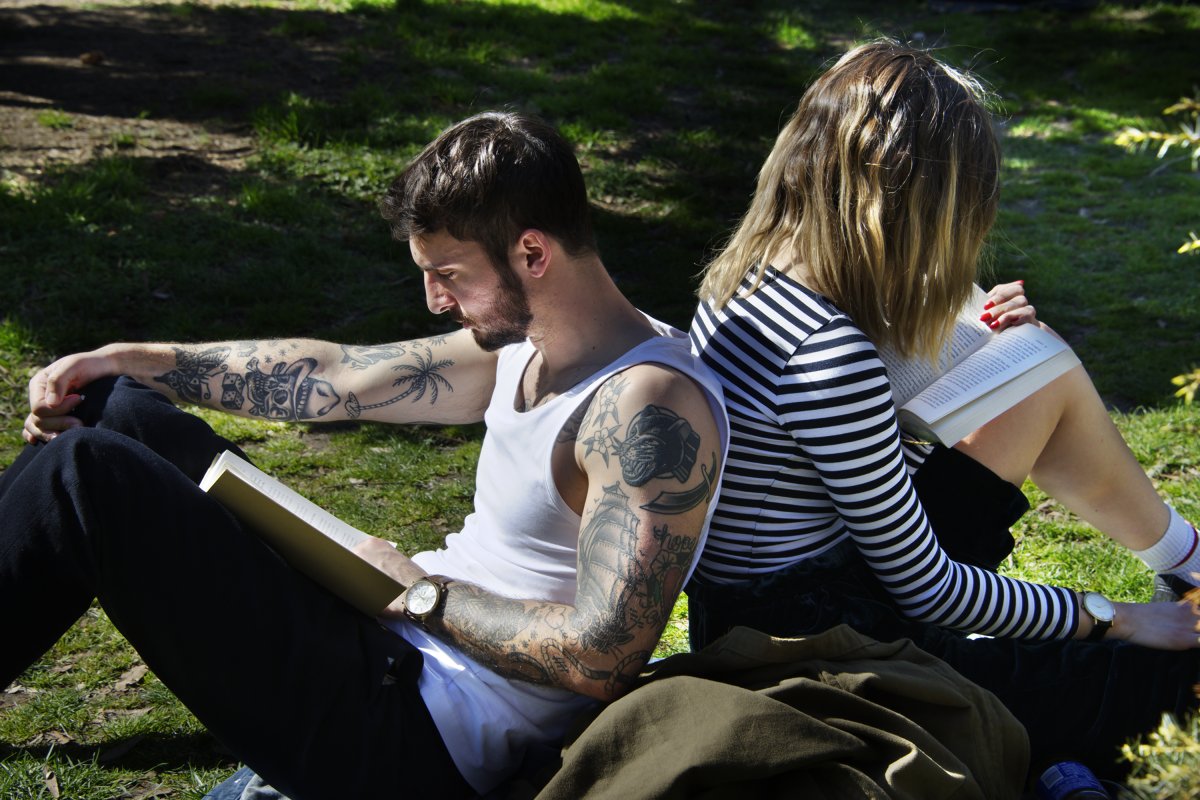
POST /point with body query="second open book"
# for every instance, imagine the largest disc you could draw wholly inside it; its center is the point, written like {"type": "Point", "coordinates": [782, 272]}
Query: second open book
{"type": "Point", "coordinates": [978, 376]}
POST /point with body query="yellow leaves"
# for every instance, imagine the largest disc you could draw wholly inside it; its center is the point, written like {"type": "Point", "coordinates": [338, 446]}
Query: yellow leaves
{"type": "Point", "coordinates": [1164, 762]}
{"type": "Point", "coordinates": [1189, 384]}
{"type": "Point", "coordinates": [1188, 137]}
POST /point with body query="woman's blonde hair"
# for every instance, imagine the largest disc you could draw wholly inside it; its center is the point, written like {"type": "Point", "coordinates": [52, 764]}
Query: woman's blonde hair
{"type": "Point", "coordinates": [882, 186]}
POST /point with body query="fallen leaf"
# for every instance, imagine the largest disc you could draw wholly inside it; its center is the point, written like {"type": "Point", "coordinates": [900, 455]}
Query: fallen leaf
{"type": "Point", "coordinates": [127, 713]}
{"type": "Point", "coordinates": [92, 58]}
{"type": "Point", "coordinates": [131, 676]}
{"type": "Point", "coordinates": [150, 791]}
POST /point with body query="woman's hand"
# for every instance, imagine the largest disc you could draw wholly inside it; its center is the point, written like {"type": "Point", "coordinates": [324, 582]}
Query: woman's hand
{"type": "Point", "coordinates": [1007, 305]}
{"type": "Point", "coordinates": [1163, 626]}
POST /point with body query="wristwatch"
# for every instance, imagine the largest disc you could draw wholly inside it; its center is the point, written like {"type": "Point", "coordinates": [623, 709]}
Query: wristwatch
{"type": "Point", "coordinates": [424, 597]}
{"type": "Point", "coordinates": [1101, 610]}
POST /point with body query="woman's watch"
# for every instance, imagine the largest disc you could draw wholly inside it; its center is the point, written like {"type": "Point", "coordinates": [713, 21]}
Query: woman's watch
{"type": "Point", "coordinates": [1102, 611]}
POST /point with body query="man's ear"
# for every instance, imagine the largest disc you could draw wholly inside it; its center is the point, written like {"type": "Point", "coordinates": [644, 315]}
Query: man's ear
{"type": "Point", "coordinates": [532, 253]}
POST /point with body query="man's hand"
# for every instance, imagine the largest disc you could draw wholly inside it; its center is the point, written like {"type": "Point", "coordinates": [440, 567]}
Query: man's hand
{"type": "Point", "coordinates": [53, 393]}
{"type": "Point", "coordinates": [386, 558]}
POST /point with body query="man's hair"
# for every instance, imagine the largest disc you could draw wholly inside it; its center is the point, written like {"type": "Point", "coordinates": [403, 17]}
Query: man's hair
{"type": "Point", "coordinates": [883, 186]}
{"type": "Point", "coordinates": [488, 178]}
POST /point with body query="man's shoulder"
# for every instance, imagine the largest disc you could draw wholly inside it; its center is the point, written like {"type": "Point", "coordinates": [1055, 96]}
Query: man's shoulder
{"type": "Point", "coordinates": [661, 395]}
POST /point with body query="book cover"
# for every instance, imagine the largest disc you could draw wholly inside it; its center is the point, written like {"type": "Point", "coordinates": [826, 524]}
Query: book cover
{"type": "Point", "coordinates": [307, 536]}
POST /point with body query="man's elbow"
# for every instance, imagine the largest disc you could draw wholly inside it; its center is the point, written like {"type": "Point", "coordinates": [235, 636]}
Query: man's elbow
{"type": "Point", "coordinates": [608, 678]}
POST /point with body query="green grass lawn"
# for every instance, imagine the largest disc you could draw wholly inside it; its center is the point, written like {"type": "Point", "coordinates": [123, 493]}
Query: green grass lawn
{"type": "Point", "coordinates": [671, 106]}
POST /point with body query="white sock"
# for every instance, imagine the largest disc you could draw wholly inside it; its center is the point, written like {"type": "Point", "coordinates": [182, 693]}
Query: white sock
{"type": "Point", "coordinates": [1177, 552]}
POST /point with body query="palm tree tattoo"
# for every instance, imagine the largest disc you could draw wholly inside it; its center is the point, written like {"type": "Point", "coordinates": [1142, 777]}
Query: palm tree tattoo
{"type": "Point", "coordinates": [422, 378]}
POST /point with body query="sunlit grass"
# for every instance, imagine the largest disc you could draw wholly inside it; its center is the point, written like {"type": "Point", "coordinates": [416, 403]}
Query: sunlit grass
{"type": "Point", "coordinates": [671, 107]}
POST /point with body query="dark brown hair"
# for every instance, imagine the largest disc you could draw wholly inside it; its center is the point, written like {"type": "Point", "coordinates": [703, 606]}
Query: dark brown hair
{"type": "Point", "coordinates": [488, 178]}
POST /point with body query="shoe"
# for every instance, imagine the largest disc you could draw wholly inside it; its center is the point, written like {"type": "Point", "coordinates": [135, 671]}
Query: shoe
{"type": "Point", "coordinates": [1169, 588]}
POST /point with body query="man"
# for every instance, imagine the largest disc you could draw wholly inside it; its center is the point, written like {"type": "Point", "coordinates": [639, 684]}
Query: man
{"type": "Point", "coordinates": [604, 445]}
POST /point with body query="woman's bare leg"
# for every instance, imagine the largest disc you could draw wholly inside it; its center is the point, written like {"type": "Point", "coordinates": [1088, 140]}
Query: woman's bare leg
{"type": "Point", "coordinates": [1064, 439]}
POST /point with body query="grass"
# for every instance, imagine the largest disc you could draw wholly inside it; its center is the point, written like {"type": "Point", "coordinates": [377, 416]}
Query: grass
{"type": "Point", "coordinates": [55, 119]}
{"type": "Point", "coordinates": [672, 107]}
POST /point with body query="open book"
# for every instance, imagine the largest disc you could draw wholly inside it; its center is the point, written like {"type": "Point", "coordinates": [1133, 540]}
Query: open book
{"type": "Point", "coordinates": [977, 377]}
{"type": "Point", "coordinates": [310, 538]}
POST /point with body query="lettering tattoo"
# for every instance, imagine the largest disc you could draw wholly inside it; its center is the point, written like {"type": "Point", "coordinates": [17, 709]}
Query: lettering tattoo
{"type": "Point", "coordinates": [421, 378]}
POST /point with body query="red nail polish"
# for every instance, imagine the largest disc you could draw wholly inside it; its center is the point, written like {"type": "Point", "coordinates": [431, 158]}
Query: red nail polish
{"type": "Point", "coordinates": [994, 324]}
{"type": "Point", "coordinates": [984, 317]}
{"type": "Point", "coordinates": [1020, 281]}
{"type": "Point", "coordinates": [988, 305]}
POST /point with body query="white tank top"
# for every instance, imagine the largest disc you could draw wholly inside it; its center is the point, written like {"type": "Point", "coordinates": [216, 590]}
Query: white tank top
{"type": "Point", "coordinates": [521, 541]}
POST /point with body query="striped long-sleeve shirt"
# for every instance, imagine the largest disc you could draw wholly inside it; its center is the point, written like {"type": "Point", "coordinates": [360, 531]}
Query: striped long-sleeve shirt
{"type": "Point", "coordinates": [816, 456]}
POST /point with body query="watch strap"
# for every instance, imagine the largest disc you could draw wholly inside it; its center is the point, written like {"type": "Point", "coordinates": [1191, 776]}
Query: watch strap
{"type": "Point", "coordinates": [1100, 627]}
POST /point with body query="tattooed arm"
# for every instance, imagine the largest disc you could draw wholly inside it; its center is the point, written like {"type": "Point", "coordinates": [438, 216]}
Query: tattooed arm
{"type": "Point", "coordinates": [441, 379]}
{"type": "Point", "coordinates": [646, 456]}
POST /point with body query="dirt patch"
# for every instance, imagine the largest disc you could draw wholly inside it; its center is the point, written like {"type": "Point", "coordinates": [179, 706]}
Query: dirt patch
{"type": "Point", "coordinates": [78, 81]}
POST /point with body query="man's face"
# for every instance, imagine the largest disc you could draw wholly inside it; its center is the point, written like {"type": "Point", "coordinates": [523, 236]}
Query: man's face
{"type": "Point", "coordinates": [461, 280]}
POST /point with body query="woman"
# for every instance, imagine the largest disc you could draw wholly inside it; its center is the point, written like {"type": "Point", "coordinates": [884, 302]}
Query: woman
{"type": "Point", "coordinates": [865, 228]}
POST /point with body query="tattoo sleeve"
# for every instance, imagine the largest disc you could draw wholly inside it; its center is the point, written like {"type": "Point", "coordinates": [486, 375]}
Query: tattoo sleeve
{"type": "Point", "coordinates": [637, 542]}
{"type": "Point", "coordinates": [285, 379]}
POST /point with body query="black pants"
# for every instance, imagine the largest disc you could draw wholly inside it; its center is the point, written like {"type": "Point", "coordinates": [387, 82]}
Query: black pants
{"type": "Point", "coordinates": [316, 697]}
{"type": "Point", "coordinates": [1078, 700]}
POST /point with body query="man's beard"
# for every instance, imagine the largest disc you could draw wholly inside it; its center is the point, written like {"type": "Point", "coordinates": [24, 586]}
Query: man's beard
{"type": "Point", "coordinates": [507, 322]}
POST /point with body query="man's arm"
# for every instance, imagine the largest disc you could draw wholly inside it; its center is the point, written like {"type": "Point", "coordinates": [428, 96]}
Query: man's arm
{"type": "Point", "coordinates": [440, 379]}
{"type": "Point", "coordinates": [649, 450]}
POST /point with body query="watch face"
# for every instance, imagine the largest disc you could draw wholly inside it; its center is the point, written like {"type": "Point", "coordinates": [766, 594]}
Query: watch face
{"type": "Point", "coordinates": [421, 598]}
{"type": "Point", "coordinates": [1098, 606]}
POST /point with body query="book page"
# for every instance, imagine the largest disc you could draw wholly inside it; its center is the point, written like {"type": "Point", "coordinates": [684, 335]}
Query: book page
{"type": "Point", "coordinates": [908, 376]}
{"type": "Point", "coordinates": [1007, 355]}
{"type": "Point", "coordinates": [960, 421]}
{"type": "Point", "coordinates": [341, 532]}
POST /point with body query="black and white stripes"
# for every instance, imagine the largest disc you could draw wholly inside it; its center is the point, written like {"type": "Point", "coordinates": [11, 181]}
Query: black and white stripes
{"type": "Point", "coordinates": [815, 456]}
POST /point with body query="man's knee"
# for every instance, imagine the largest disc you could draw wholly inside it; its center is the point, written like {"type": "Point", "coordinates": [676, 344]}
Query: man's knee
{"type": "Point", "coordinates": [94, 456]}
{"type": "Point", "coordinates": [118, 403]}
